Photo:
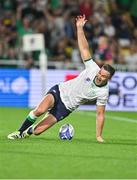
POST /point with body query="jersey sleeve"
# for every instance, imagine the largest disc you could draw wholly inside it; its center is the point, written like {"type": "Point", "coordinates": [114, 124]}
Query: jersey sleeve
{"type": "Point", "coordinates": [89, 63]}
{"type": "Point", "coordinates": [102, 100]}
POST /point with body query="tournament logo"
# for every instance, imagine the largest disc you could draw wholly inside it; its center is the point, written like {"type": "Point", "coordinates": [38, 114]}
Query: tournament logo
{"type": "Point", "coordinates": [87, 79]}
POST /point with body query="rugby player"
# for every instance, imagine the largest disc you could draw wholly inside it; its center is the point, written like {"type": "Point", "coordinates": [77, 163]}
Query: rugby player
{"type": "Point", "coordinates": [62, 99]}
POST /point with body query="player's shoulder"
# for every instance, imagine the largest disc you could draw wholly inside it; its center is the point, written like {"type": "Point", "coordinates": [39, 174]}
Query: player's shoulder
{"type": "Point", "coordinates": [90, 63]}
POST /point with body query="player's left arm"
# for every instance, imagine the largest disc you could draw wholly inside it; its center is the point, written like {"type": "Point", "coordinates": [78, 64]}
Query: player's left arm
{"type": "Point", "coordinates": [82, 41]}
{"type": "Point", "coordinates": [100, 118]}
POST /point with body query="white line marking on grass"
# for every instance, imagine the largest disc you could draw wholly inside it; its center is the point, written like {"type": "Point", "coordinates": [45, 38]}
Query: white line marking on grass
{"type": "Point", "coordinates": [117, 118]}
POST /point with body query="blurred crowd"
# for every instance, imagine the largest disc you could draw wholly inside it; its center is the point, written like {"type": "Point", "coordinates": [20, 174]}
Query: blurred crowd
{"type": "Point", "coordinates": [111, 30]}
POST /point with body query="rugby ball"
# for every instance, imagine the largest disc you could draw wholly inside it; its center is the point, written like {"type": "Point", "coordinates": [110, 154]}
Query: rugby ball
{"type": "Point", "coordinates": [66, 132]}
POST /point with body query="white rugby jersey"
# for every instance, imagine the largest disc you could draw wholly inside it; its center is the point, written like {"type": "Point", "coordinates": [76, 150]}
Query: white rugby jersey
{"type": "Point", "coordinates": [82, 89]}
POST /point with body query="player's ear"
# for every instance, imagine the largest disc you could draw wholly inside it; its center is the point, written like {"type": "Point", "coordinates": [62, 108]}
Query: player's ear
{"type": "Point", "coordinates": [109, 78]}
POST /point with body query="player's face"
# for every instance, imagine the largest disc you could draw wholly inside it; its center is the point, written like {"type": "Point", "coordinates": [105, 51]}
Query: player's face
{"type": "Point", "coordinates": [102, 77]}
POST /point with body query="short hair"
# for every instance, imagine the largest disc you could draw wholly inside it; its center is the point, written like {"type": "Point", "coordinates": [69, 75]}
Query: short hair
{"type": "Point", "coordinates": [109, 68]}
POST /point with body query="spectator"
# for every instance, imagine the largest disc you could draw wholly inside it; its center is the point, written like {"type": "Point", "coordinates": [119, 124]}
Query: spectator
{"type": "Point", "coordinates": [103, 54]}
{"type": "Point", "coordinates": [134, 34]}
{"type": "Point", "coordinates": [115, 49]}
{"type": "Point", "coordinates": [59, 52]}
{"type": "Point", "coordinates": [131, 59]}
{"type": "Point", "coordinates": [24, 27]}
{"type": "Point", "coordinates": [41, 26]}
{"type": "Point", "coordinates": [114, 19]}
{"type": "Point", "coordinates": [95, 31]}
{"type": "Point", "coordinates": [115, 14]}
{"type": "Point", "coordinates": [69, 28]}
{"type": "Point", "coordinates": [124, 33]}
{"type": "Point", "coordinates": [1, 50]}
{"type": "Point", "coordinates": [11, 54]}
{"type": "Point", "coordinates": [109, 29]}
{"type": "Point", "coordinates": [75, 55]}
{"type": "Point", "coordinates": [28, 61]}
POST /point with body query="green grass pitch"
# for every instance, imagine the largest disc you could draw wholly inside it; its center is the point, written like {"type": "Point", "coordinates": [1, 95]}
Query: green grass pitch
{"type": "Point", "coordinates": [48, 157]}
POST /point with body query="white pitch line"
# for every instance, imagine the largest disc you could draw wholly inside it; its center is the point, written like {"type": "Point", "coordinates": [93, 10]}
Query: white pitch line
{"type": "Point", "coordinates": [117, 118]}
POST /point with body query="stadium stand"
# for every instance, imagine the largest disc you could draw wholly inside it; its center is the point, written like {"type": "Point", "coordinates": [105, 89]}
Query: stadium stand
{"type": "Point", "coordinates": [111, 31]}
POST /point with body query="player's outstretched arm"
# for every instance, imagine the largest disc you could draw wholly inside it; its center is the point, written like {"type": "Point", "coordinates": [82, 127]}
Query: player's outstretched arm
{"type": "Point", "coordinates": [100, 117]}
{"type": "Point", "coordinates": [82, 41]}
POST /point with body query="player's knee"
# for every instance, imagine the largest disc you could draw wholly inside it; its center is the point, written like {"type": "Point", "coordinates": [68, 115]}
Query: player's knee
{"type": "Point", "coordinates": [39, 111]}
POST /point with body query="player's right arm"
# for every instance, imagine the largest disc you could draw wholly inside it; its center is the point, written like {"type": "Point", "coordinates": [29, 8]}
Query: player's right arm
{"type": "Point", "coordinates": [100, 118]}
{"type": "Point", "coordinates": [82, 41]}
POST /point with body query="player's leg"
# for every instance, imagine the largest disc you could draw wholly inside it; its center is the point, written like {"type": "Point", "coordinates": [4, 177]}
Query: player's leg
{"type": "Point", "coordinates": [46, 103]}
{"type": "Point", "coordinates": [57, 113]}
{"type": "Point", "coordinates": [47, 122]}
{"type": "Point", "coordinates": [42, 126]}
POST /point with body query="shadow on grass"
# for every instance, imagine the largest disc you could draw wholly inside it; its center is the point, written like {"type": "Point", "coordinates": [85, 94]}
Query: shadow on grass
{"type": "Point", "coordinates": [116, 141]}
{"type": "Point", "coordinates": [38, 139]}
{"type": "Point", "coordinates": [126, 142]}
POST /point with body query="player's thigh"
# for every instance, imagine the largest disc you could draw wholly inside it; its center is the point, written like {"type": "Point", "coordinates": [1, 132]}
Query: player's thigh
{"type": "Point", "coordinates": [46, 103]}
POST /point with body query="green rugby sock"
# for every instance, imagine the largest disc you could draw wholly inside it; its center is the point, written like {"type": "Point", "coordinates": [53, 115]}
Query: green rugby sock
{"type": "Point", "coordinates": [31, 118]}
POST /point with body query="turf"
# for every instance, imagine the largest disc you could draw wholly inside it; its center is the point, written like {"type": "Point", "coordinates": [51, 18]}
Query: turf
{"type": "Point", "coordinates": [48, 157]}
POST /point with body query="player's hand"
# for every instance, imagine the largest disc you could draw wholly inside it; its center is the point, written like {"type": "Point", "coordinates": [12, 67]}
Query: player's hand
{"type": "Point", "coordinates": [80, 21]}
{"type": "Point", "coordinates": [100, 139]}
